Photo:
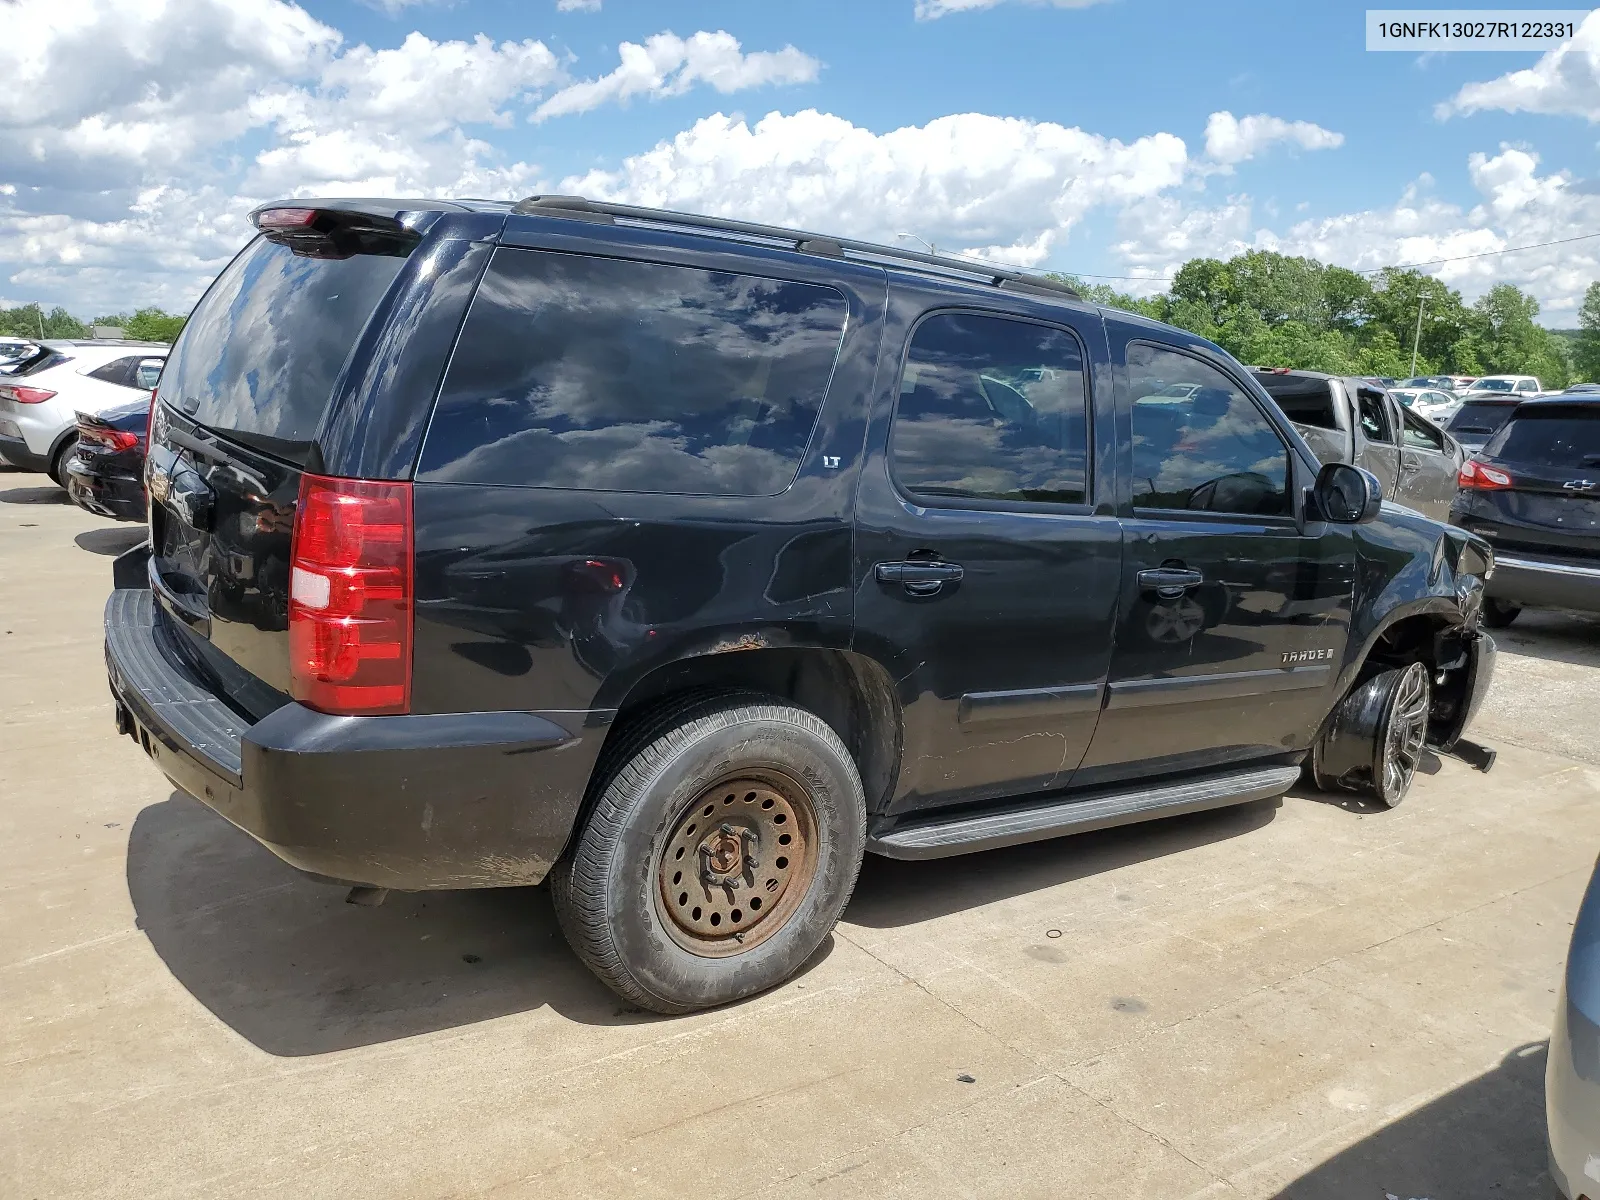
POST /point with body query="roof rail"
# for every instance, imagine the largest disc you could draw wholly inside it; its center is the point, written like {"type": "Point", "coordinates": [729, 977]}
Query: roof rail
{"type": "Point", "coordinates": [582, 209]}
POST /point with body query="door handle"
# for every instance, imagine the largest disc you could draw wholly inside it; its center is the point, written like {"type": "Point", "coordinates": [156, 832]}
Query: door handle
{"type": "Point", "coordinates": [919, 578]}
{"type": "Point", "coordinates": [1169, 582]}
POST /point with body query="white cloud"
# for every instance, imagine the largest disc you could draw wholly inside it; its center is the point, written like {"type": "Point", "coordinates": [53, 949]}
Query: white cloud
{"type": "Point", "coordinates": [1231, 140]}
{"type": "Point", "coordinates": [668, 65]}
{"type": "Point", "coordinates": [577, 5]}
{"type": "Point", "coordinates": [1564, 82]}
{"type": "Point", "coordinates": [931, 10]}
{"type": "Point", "coordinates": [1003, 187]}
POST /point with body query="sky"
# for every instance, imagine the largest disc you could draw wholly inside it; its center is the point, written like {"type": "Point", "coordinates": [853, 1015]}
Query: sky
{"type": "Point", "coordinates": [1113, 139]}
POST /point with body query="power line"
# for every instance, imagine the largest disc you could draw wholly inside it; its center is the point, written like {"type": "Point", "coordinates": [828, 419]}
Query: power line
{"type": "Point", "coordinates": [1432, 262]}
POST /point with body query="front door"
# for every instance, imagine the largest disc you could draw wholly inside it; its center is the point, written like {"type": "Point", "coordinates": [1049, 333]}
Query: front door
{"type": "Point", "coordinates": [984, 579]}
{"type": "Point", "coordinates": [1429, 464]}
{"type": "Point", "coordinates": [1380, 452]}
{"type": "Point", "coordinates": [1233, 613]}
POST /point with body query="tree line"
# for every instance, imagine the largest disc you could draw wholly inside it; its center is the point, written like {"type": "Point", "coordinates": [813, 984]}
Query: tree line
{"type": "Point", "coordinates": [31, 321]}
{"type": "Point", "coordinates": [1270, 309]}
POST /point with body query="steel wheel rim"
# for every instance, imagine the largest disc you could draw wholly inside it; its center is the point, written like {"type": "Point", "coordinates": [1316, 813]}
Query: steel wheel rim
{"type": "Point", "coordinates": [736, 863]}
{"type": "Point", "coordinates": [1407, 731]}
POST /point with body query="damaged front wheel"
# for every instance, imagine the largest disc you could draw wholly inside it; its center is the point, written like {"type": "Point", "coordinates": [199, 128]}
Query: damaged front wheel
{"type": "Point", "coordinates": [1374, 739]}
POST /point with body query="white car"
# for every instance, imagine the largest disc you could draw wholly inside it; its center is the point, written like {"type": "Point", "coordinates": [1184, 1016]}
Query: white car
{"type": "Point", "coordinates": [40, 398]}
{"type": "Point", "coordinates": [1522, 386]}
{"type": "Point", "coordinates": [1435, 404]}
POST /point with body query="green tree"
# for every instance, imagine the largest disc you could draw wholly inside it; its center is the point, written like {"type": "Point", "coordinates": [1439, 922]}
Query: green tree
{"type": "Point", "coordinates": [1206, 288]}
{"type": "Point", "coordinates": [1586, 356]}
{"type": "Point", "coordinates": [1392, 306]}
{"type": "Point", "coordinates": [30, 321]}
{"type": "Point", "coordinates": [154, 325]}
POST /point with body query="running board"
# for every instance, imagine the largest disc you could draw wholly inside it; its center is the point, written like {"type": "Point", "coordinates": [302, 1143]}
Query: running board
{"type": "Point", "coordinates": [1092, 810]}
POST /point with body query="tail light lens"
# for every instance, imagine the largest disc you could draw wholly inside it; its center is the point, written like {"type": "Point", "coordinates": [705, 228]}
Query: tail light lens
{"type": "Point", "coordinates": [108, 439]}
{"type": "Point", "coordinates": [25, 395]}
{"type": "Point", "coordinates": [350, 596]}
{"type": "Point", "coordinates": [1477, 477]}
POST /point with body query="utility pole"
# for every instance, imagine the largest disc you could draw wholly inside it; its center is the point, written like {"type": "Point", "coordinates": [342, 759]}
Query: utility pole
{"type": "Point", "coordinates": [913, 237]}
{"type": "Point", "coordinates": [1417, 341]}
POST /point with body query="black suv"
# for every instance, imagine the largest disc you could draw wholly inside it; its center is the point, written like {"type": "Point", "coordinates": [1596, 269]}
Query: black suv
{"type": "Point", "coordinates": [684, 560]}
{"type": "Point", "coordinates": [1533, 492]}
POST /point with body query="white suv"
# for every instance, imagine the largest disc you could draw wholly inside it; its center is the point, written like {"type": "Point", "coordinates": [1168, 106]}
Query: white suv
{"type": "Point", "coordinates": [1503, 385]}
{"type": "Point", "coordinates": [41, 397]}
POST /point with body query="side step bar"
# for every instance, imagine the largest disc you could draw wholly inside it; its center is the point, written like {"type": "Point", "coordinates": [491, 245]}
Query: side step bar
{"type": "Point", "coordinates": [1092, 810]}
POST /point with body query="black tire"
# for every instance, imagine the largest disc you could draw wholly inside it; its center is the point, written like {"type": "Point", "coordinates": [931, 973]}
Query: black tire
{"type": "Point", "coordinates": [608, 888]}
{"type": "Point", "coordinates": [1497, 614]}
{"type": "Point", "coordinates": [58, 464]}
{"type": "Point", "coordinates": [1374, 739]}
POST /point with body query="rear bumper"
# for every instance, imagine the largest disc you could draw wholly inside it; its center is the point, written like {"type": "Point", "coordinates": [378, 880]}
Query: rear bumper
{"type": "Point", "coordinates": [15, 451]}
{"type": "Point", "coordinates": [107, 494]}
{"type": "Point", "coordinates": [1539, 582]}
{"type": "Point", "coordinates": [412, 802]}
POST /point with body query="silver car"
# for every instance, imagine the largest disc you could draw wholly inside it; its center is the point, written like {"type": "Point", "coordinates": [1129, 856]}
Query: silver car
{"type": "Point", "coordinates": [1572, 1074]}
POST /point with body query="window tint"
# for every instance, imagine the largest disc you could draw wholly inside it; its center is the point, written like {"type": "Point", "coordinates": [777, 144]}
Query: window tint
{"type": "Point", "coordinates": [1558, 435]}
{"type": "Point", "coordinates": [118, 371]}
{"type": "Point", "coordinates": [991, 409]}
{"type": "Point", "coordinates": [1212, 450]}
{"type": "Point", "coordinates": [1303, 401]}
{"type": "Point", "coordinates": [1374, 417]}
{"type": "Point", "coordinates": [1419, 435]}
{"type": "Point", "coordinates": [1480, 417]}
{"type": "Point", "coordinates": [599, 373]}
{"type": "Point", "coordinates": [262, 352]}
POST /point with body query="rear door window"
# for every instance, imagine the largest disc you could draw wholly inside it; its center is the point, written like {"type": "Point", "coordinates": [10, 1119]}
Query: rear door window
{"type": "Point", "coordinates": [1374, 417]}
{"type": "Point", "coordinates": [118, 371]}
{"type": "Point", "coordinates": [616, 375]}
{"type": "Point", "coordinates": [260, 356]}
{"type": "Point", "coordinates": [992, 409]}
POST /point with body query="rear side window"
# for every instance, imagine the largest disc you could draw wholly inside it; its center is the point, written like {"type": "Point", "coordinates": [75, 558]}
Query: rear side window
{"type": "Point", "coordinates": [118, 371]}
{"type": "Point", "coordinates": [1480, 417]}
{"type": "Point", "coordinates": [1305, 402]}
{"type": "Point", "coordinates": [614, 375]}
{"type": "Point", "coordinates": [261, 354]}
{"type": "Point", "coordinates": [991, 409]}
{"type": "Point", "coordinates": [1561, 435]}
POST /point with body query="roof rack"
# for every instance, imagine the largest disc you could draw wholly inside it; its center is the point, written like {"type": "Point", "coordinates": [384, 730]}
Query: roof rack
{"type": "Point", "coordinates": [605, 212]}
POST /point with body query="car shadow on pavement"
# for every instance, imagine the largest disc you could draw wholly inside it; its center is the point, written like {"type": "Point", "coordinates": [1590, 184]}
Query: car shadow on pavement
{"type": "Point", "coordinates": [289, 966]}
{"type": "Point", "coordinates": [36, 495]}
{"type": "Point", "coordinates": [1484, 1138]}
{"type": "Point", "coordinates": [893, 892]}
{"type": "Point", "coordinates": [111, 541]}
{"type": "Point", "coordinates": [1556, 636]}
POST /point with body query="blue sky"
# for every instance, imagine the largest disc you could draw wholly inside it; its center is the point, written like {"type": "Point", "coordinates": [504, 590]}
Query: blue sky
{"type": "Point", "coordinates": [1114, 138]}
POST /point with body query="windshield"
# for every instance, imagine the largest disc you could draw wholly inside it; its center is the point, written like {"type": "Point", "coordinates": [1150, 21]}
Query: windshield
{"type": "Point", "coordinates": [1406, 398]}
{"type": "Point", "coordinates": [1562, 435]}
{"type": "Point", "coordinates": [1492, 385]}
{"type": "Point", "coordinates": [1481, 417]}
{"type": "Point", "coordinates": [261, 354]}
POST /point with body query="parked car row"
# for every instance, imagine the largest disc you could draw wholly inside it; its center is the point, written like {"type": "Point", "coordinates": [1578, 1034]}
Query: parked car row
{"type": "Point", "coordinates": [51, 391]}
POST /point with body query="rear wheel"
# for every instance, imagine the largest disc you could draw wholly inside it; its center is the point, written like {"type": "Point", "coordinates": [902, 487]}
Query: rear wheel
{"type": "Point", "coordinates": [58, 464]}
{"type": "Point", "coordinates": [1497, 614]}
{"type": "Point", "coordinates": [719, 855]}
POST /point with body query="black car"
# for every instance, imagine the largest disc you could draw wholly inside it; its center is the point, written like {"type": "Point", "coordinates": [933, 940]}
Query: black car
{"type": "Point", "coordinates": [1480, 418]}
{"type": "Point", "coordinates": [105, 473]}
{"type": "Point", "coordinates": [1533, 492]}
{"type": "Point", "coordinates": [681, 561]}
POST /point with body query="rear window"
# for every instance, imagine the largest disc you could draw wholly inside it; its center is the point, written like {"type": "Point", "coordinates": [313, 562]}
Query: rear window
{"type": "Point", "coordinates": [261, 354]}
{"type": "Point", "coordinates": [1480, 418]}
{"type": "Point", "coordinates": [606, 374]}
{"type": "Point", "coordinates": [1557, 436]}
{"type": "Point", "coordinates": [1303, 401]}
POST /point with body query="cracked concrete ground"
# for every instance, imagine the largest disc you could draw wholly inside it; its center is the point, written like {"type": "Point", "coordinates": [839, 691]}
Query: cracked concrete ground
{"type": "Point", "coordinates": [1306, 998]}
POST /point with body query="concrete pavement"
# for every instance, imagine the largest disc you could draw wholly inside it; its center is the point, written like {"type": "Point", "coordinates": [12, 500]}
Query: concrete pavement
{"type": "Point", "coordinates": [1305, 998]}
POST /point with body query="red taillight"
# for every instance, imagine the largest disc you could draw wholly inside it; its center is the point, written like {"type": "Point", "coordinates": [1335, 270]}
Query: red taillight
{"type": "Point", "coordinates": [350, 596]}
{"type": "Point", "coordinates": [285, 218]}
{"type": "Point", "coordinates": [1477, 477]}
{"type": "Point", "coordinates": [108, 439]}
{"type": "Point", "coordinates": [26, 395]}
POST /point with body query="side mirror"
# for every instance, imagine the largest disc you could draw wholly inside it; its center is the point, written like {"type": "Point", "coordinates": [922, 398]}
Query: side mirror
{"type": "Point", "coordinates": [1347, 495]}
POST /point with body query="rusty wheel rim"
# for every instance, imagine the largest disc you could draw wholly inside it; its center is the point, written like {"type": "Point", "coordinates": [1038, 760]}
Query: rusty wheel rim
{"type": "Point", "coordinates": [736, 864]}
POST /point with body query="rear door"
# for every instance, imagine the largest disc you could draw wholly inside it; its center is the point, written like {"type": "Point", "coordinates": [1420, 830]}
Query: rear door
{"type": "Point", "coordinates": [986, 576]}
{"type": "Point", "coordinates": [247, 388]}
